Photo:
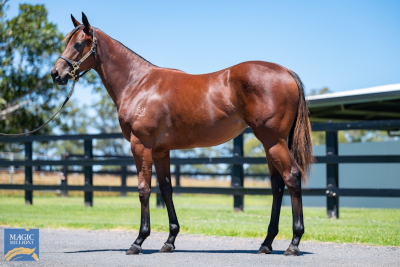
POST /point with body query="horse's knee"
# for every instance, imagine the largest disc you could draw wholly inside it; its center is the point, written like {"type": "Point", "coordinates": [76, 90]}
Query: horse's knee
{"type": "Point", "coordinates": [293, 181]}
{"type": "Point", "coordinates": [144, 192]}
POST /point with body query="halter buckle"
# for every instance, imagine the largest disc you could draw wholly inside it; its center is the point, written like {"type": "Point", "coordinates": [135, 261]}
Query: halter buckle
{"type": "Point", "coordinates": [75, 67]}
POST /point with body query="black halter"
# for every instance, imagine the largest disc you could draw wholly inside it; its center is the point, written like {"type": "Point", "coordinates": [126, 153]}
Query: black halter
{"type": "Point", "coordinates": [74, 73]}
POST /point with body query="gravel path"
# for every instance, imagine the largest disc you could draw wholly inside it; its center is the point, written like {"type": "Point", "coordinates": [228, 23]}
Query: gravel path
{"type": "Point", "coordinates": [63, 247]}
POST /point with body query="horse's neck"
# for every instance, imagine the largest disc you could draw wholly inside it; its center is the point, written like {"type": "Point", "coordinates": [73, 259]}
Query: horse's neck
{"type": "Point", "coordinates": [118, 68]}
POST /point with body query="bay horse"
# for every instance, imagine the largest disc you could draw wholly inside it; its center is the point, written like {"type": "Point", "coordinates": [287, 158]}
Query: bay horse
{"type": "Point", "coordinates": [161, 109]}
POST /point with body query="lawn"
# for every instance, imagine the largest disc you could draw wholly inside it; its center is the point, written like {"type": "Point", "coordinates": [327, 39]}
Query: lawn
{"type": "Point", "coordinates": [203, 214]}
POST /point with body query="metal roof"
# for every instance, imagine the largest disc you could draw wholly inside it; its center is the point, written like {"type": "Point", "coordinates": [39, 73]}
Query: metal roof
{"type": "Point", "coordinates": [374, 103]}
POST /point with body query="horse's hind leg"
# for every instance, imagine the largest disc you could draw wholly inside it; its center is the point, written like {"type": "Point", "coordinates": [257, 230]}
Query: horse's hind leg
{"type": "Point", "coordinates": [277, 186]}
{"type": "Point", "coordinates": [143, 162]}
{"type": "Point", "coordinates": [162, 165]}
{"type": "Point", "coordinates": [284, 162]}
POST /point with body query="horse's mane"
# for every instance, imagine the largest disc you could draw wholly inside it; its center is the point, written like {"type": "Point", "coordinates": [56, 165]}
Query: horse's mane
{"type": "Point", "coordinates": [69, 36]}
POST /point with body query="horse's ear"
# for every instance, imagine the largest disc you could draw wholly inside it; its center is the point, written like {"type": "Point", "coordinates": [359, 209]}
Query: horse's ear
{"type": "Point", "coordinates": [86, 24]}
{"type": "Point", "coordinates": [74, 21]}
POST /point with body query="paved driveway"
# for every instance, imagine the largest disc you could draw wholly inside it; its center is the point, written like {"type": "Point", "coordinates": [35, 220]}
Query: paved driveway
{"type": "Point", "coordinates": [63, 247]}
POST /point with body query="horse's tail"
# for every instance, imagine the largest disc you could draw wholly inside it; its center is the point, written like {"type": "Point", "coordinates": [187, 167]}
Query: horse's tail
{"type": "Point", "coordinates": [300, 142]}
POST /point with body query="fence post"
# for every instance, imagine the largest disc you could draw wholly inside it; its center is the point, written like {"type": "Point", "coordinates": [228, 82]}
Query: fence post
{"type": "Point", "coordinates": [64, 180]}
{"type": "Point", "coordinates": [160, 202]}
{"type": "Point", "coordinates": [177, 175]}
{"type": "Point", "coordinates": [124, 174]}
{"type": "Point", "coordinates": [332, 175]}
{"type": "Point", "coordinates": [28, 173]}
{"type": "Point", "coordinates": [88, 170]}
{"type": "Point", "coordinates": [237, 173]}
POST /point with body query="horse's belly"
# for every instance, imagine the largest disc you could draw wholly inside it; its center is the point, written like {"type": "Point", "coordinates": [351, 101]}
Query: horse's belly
{"type": "Point", "coordinates": [202, 135]}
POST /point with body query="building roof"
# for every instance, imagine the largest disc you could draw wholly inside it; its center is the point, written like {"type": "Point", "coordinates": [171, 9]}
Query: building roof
{"type": "Point", "coordinates": [374, 103]}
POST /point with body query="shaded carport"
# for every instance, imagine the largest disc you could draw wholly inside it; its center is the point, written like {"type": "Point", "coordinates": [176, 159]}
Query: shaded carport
{"type": "Point", "coordinates": [375, 103]}
{"type": "Point", "coordinates": [375, 108]}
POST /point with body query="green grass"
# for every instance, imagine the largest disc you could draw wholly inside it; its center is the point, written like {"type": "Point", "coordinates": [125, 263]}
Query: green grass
{"type": "Point", "coordinates": [207, 214]}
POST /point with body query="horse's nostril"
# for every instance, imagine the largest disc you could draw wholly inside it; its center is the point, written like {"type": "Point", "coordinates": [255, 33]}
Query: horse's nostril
{"type": "Point", "coordinates": [55, 73]}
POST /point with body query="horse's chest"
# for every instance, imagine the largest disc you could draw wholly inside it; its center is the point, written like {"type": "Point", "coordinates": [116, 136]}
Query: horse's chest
{"type": "Point", "coordinates": [138, 120]}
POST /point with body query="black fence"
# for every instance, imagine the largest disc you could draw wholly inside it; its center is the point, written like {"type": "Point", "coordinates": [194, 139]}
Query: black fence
{"type": "Point", "coordinates": [332, 159]}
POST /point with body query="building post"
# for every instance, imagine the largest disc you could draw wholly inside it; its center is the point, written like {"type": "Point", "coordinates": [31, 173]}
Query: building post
{"type": "Point", "coordinates": [332, 175]}
{"type": "Point", "coordinates": [237, 173]}
{"type": "Point", "coordinates": [28, 173]}
{"type": "Point", "coordinates": [88, 171]}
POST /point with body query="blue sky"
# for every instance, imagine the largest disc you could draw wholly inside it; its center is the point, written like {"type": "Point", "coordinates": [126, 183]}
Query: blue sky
{"type": "Point", "coordinates": [341, 45]}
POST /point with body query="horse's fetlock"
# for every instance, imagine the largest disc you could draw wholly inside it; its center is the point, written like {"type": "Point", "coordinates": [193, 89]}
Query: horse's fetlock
{"type": "Point", "coordinates": [144, 232]}
{"type": "Point", "coordinates": [174, 229]}
{"type": "Point", "coordinates": [273, 232]}
{"type": "Point", "coordinates": [298, 230]}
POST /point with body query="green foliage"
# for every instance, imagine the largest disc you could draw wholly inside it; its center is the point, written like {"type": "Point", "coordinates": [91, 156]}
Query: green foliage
{"type": "Point", "coordinates": [204, 214]}
{"type": "Point", "coordinates": [318, 138]}
{"type": "Point", "coordinates": [29, 45]}
{"type": "Point", "coordinates": [322, 91]}
{"type": "Point", "coordinates": [356, 136]}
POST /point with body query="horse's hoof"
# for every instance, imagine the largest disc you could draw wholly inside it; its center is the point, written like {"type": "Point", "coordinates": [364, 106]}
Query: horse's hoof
{"type": "Point", "coordinates": [134, 250]}
{"type": "Point", "coordinates": [167, 248]}
{"type": "Point", "coordinates": [265, 250]}
{"type": "Point", "coordinates": [292, 251]}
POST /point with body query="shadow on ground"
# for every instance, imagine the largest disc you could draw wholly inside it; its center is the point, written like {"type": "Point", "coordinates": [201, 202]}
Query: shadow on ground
{"type": "Point", "coordinates": [152, 251]}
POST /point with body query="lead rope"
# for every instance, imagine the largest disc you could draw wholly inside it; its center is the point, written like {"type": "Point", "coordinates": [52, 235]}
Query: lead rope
{"type": "Point", "coordinates": [65, 102]}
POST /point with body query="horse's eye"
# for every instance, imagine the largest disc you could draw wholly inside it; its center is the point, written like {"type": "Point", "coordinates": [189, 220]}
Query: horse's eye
{"type": "Point", "coordinates": [78, 45]}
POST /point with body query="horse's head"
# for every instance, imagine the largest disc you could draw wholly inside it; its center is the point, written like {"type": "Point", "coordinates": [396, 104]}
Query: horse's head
{"type": "Point", "coordinates": [79, 43]}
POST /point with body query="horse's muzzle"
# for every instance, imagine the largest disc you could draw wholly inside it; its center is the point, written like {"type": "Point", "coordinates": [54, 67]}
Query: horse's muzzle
{"type": "Point", "coordinates": [57, 79]}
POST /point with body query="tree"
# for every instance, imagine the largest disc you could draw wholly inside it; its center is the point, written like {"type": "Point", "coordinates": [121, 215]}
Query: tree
{"type": "Point", "coordinates": [29, 45]}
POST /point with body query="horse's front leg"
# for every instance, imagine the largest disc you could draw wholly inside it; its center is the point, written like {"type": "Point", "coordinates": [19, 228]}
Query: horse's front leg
{"type": "Point", "coordinates": [143, 162]}
{"type": "Point", "coordinates": [162, 165]}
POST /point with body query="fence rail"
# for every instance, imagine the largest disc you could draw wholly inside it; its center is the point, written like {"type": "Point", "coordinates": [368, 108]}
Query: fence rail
{"type": "Point", "coordinates": [348, 192]}
{"type": "Point", "coordinates": [332, 160]}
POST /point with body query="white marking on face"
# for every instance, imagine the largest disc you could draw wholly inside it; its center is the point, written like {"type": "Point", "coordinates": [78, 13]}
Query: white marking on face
{"type": "Point", "coordinates": [166, 178]}
{"type": "Point", "coordinates": [140, 111]}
